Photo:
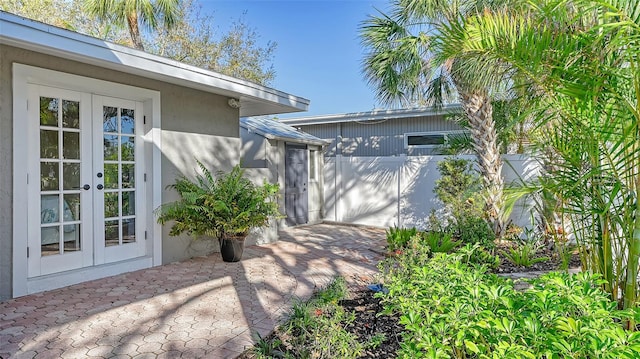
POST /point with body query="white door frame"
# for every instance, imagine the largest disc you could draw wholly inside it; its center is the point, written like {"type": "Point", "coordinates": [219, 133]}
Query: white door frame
{"type": "Point", "coordinates": [23, 76]}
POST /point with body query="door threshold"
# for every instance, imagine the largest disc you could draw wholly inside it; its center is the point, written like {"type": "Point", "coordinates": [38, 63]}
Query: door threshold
{"type": "Point", "coordinates": [76, 276]}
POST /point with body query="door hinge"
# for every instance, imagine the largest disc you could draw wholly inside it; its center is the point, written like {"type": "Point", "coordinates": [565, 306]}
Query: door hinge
{"type": "Point", "coordinates": [27, 252]}
{"type": "Point", "coordinates": [145, 234]}
{"type": "Point", "coordinates": [144, 120]}
{"type": "Point", "coordinates": [144, 177]}
{"type": "Point", "coordinates": [27, 105]}
{"type": "Point", "coordinates": [27, 178]}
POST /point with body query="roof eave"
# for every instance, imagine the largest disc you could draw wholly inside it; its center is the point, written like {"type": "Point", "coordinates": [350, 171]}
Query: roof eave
{"type": "Point", "coordinates": [35, 36]}
{"type": "Point", "coordinates": [376, 115]}
{"type": "Point", "coordinates": [270, 136]}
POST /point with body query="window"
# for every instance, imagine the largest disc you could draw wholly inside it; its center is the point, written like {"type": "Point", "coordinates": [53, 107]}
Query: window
{"type": "Point", "coordinates": [427, 139]}
{"type": "Point", "coordinates": [313, 165]}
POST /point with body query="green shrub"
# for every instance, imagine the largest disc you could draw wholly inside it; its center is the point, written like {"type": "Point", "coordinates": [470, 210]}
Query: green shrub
{"type": "Point", "coordinates": [476, 255]}
{"type": "Point", "coordinates": [473, 230]}
{"type": "Point", "coordinates": [439, 242]}
{"type": "Point", "coordinates": [524, 254]}
{"type": "Point", "coordinates": [224, 205]}
{"type": "Point", "coordinates": [452, 310]}
{"type": "Point", "coordinates": [397, 238]}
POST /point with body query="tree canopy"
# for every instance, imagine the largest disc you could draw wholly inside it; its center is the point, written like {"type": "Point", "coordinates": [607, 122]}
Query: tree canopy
{"type": "Point", "coordinates": [193, 37]}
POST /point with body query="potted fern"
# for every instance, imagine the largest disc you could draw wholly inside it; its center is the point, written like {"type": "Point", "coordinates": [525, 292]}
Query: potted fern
{"type": "Point", "coordinates": [225, 207]}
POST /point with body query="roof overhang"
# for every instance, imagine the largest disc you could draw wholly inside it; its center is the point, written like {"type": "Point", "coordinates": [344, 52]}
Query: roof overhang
{"type": "Point", "coordinates": [253, 99]}
{"type": "Point", "coordinates": [270, 136]}
{"type": "Point", "coordinates": [376, 115]}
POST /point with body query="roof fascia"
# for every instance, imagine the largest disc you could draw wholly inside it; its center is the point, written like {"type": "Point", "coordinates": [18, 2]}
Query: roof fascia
{"type": "Point", "coordinates": [272, 137]}
{"type": "Point", "coordinates": [376, 115]}
{"type": "Point", "coordinates": [32, 35]}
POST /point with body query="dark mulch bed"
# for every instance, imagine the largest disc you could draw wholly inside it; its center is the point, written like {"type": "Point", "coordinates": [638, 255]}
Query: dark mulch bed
{"type": "Point", "coordinates": [552, 264]}
{"type": "Point", "coordinates": [368, 324]}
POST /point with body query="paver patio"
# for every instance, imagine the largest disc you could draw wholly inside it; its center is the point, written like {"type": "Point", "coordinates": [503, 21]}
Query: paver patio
{"type": "Point", "coordinates": [199, 308]}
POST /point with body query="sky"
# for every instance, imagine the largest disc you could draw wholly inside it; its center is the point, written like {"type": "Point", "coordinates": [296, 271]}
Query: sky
{"type": "Point", "coordinates": [318, 54]}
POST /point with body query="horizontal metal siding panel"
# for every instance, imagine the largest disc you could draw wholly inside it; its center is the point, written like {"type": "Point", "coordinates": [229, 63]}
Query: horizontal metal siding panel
{"type": "Point", "coordinates": [387, 138]}
{"type": "Point", "coordinates": [380, 138]}
{"type": "Point", "coordinates": [326, 132]}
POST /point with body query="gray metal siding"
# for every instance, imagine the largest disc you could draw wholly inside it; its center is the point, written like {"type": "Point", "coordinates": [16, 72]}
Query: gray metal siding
{"type": "Point", "coordinates": [381, 138]}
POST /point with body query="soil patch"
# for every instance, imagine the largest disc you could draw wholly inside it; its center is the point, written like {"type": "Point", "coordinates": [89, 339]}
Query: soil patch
{"type": "Point", "coordinates": [553, 263]}
{"type": "Point", "coordinates": [369, 323]}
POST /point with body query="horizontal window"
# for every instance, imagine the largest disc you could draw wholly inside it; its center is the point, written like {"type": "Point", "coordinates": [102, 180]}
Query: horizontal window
{"type": "Point", "coordinates": [427, 139]}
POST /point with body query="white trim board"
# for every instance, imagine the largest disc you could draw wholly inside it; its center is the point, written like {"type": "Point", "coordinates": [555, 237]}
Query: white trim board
{"type": "Point", "coordinates": [23, 76]}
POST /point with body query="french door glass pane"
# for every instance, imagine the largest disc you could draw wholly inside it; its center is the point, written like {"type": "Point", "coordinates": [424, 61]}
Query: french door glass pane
{"type": "Point", "coordinates": [110, 119]}
{"type": "Point", "coordinates": [49, 144]}
{"type": "Point", "coordinates": [111, 175]}
{"type": "Point", "coordinates": [72, 202]}
{"type": "Point", "coordinates": [128, 176]}
{"type": "Point", "coordinates": [71, 145]}
{"type": "Point", "coordinates": [50, 239]}
{"type": "Point", "coordinates": [128, 203]}
{"type": "Point", "coordinates": [70, 114]}
{"type": "Point", "coordinates": [48, 111]}
{"type": "Point", "coordinates": [111, 233]}
{"type": "Point", "coordinates": [128, 148]}
{"type": "Point", "coordinates": [128, 124]}
{"type": "Point", "coordinates": [71, 237]}
{"type": "Point", "coordinates": [71, 176]}
{"type": "Point", "coordinates": [49, 176]}
{"type": "Point", "coordinates": [128, 230]}
{"type": "Point", "coordinates": [110, 148]}
{"type": "Point", "coordinates": [111, 205]}
{"type": "Point", "coordinates": [49, 208]}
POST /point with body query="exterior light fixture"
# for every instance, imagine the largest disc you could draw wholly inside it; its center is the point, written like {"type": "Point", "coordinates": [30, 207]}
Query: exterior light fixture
{"type": "Point", "coordinates": [234, 103]}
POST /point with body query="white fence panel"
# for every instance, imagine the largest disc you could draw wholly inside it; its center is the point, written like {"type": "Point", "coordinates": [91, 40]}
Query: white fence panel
{"type": "Point", "coordinates": [387, 191]}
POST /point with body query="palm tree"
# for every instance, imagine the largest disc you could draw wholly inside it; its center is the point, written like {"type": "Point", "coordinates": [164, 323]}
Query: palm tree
{"type": "Point", "coordinates": [406, 66]}
{"type": "Point", "coordinates": [134, 13]}
{"type": "Point", "coordinates": [581, 59]}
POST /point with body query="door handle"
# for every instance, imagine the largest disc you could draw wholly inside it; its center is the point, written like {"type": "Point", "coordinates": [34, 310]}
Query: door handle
{"type": "Point", "coordinates": [86, 187]}
{"type": "Point", "coordinates": [100, 186]}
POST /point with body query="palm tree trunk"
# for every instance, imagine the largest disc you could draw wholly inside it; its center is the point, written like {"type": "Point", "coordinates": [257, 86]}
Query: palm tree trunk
{"type": "Point", "coordinates": [134, 30]}
{"type": "Point", "coordinates": [477, 107]}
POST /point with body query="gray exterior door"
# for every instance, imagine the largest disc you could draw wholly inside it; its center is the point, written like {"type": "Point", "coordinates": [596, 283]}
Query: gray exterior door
{"type": "Point", "coordinates": [296, 201]}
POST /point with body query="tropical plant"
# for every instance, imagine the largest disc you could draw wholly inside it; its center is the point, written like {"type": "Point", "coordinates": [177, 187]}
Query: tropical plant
{"type": "Point", "coordinates": [458, 188]}
{"type": "Point", "coordinates": [523, 254]}
{"type": "Point", "coordinates": [477, 255]}
{"type": "Point", "coordinates": [406, 64]}
{"type": "Point", "coordinates": [578, 58]}
{"type": "Point", "coordinates": [148, 13]}
{"type": "Point", "coordinates": [439, 242]}
{"type": "Point", "coordinates": [228, 205]}
{"type": "Point", "coordinates": [397, 238]}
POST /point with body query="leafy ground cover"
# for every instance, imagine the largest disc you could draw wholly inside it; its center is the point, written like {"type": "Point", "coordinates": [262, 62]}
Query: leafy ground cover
{"type": "Point", "coordinates": [454, 306]}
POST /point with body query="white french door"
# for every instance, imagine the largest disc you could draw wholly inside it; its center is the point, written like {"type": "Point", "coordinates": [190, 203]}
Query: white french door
{"type": "Point", "coordinates": [84, 188]}
{"type": "Point", "coordinates": [118, 174]}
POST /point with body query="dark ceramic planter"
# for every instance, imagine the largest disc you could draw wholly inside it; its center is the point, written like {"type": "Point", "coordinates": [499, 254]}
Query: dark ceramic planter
{"type": "Point", "coordinates": [231, 248]}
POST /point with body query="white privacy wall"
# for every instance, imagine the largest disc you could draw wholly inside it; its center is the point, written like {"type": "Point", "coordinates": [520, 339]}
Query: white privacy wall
{"type": "Point", "coordinates": [388, 191]}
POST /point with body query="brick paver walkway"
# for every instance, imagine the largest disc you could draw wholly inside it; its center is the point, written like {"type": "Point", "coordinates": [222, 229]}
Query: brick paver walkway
{"type": "Point", "coordinates": [200, 308]}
